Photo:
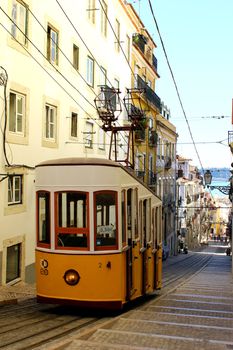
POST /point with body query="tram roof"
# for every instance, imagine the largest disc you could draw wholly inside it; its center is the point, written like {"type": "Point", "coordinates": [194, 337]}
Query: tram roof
{"type": "Point", "coordinates": [78, 161]}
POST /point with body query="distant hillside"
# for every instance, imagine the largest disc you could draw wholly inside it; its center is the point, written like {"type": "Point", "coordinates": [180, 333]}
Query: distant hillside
{"type": "Point", "coordinates": [220, 174]}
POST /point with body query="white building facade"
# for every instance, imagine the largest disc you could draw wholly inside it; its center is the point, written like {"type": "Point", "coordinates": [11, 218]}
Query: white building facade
{"type": "Point", "coordinates": [56, 55]}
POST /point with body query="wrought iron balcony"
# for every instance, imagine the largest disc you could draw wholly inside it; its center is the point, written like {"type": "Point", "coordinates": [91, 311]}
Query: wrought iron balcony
{"type": "Point", "coordinates": [149, 93]}
{"type": "Point", "coordinates": [151, 178]}
{"type": "Point", "coordinates": [140, 41]}
{"type": "Point", "coordinates": [140, 174]}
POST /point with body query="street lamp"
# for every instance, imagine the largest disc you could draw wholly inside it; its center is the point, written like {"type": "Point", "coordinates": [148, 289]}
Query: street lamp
{"type": "Point", "coordinates": [208, 177]}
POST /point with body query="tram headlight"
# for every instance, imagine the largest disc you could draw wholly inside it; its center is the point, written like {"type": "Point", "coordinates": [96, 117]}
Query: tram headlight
{"type": "Point", "coordinates": [71, 277]}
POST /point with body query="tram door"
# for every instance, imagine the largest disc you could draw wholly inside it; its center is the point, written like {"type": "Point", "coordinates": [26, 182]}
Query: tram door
{"type": "Point", "coordinates": [149, 258]}
{"type": "Point", "coordinates": [133, 253]}
{"type": "Point", "coordinates": [159, 248]}
{"type": "Point", "coordinates": [144, 246]}
{"type": "Point", "coordinates": [155, 245]}
{"type": "Point", "coordinates": [129, 252]}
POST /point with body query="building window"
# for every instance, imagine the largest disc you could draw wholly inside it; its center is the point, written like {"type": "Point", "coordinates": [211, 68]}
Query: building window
{"type": "Point", "coordinates": [103, 76]}
{"type": "Point", "coordinates": [74, 125]}
{"type": "Point", "coordinates": [91, 11]}
{"type": "Point", "coordinates": [88, 135]}
{"type": "Point", "coordinates": [101, 139]}
{"type": "Point", "coordinates": [128, 47]}
{"type": "Point", "coordinates": [117, 87]}
{"type": "Point", "coordinates": [149, 83]}
{"type": "Point", "coordinates": [19, 15]}
{"type": "Point", "coordinates": [13, 262]}
{"type": "Point", "coordinates": [104, 13]}
{"type": "Point", "coordinates": [52, 45]}
{"type": "Point", "coordinates": [17, 113]}
{"type": "Point", "coordinates": [50, 122]}
{"type": "Point", "coordinates": [75, 57]}
{"type": "Point", "coordinates": [90, 71]}
{"type": "Point", "coordinates": [15, 189]}
{"type": "Point", "coordinates": [117, 30]}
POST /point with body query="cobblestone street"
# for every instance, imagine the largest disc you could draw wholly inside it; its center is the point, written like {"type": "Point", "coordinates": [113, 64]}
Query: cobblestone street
{"type": "Point", "coordinates": [196, 315]}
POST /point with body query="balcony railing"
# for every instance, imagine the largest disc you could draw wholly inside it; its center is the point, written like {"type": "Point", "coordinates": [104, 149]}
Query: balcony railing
{"type": "Point", "coordinates": [150, 94]}
{"type": "Point", "coordinates": [151, 178]}
{"type": "Point", "coordinates": [140, 41]}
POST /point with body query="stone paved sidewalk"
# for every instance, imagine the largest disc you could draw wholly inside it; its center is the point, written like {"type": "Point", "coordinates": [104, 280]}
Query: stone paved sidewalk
{"type": "Point", "coordinates": [12, 294]}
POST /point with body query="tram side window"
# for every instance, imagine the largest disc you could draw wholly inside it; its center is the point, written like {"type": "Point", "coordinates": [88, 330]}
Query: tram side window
{"type": "Point", "coordinates": [105, 219]}
{"type": "Point", "coordinates": [43, 218]}
{"type": "Point", "coordinates": [136, 228]}
{"type": "Point", "coordinates": [129, 213]}
{"type": "Point", "coordinates": [71, 223]}
{"type": "Point", "coordinates": [123, 217]}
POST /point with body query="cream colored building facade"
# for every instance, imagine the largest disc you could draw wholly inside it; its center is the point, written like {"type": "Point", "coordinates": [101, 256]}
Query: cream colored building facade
{"type": "Point", "coordinates": [56, 57]}
{"type": "Point", "coordinates": [166, 175]}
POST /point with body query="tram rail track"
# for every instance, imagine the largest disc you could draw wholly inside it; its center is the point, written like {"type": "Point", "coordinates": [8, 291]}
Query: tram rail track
{"type": "Point", "coordinates": [178, 271]}
{"type": "Point", "coordinates": [28, 325]}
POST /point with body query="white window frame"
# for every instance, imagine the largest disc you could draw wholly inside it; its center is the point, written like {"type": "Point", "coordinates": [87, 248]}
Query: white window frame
{"type": "Point", "coordinates": [17, 117]}
{"type": "Point", "coordinates": [91, 11]}
{"type": "Point", "coordinates": [90, 71]}
{"type": "Point", "coordinates": [15, 189]}
{"type": "Point", "coordinates": [103, 19]}
{"type": "Point", "coordinates": [118, 35]}
{"type": "Point", "coordinates": [19, 27]}
{"type": "Point", "coordinates": [103, 76]}
{"type": "Point", "coordinates": [75, 134]}
{"type": "Point", "coordinates": [117, 87]}
{"type": "Point", "coordinates": [75, 57]}
{"type": "Point", "coordinates": [101, 139]}
{"type": "Point", "coordinates": [88, 135]}
{"type": "Point", "coordinates": [50, 129]}
{"type": "Point", "coordinates": [128, 47]}
{"type": "Point", "coordinates": [52, 44]}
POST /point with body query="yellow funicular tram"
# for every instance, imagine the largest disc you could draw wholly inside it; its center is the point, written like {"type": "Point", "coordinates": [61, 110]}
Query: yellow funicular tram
{"type": "Point", "coordinates": [99, 238]}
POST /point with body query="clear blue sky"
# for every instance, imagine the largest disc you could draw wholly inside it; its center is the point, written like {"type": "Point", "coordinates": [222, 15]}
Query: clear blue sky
{"type": "Point", "coordinates": [198, 37]}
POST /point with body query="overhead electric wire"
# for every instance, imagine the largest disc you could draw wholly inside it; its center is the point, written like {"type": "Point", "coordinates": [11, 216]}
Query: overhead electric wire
{"type": "Point", "coordinates": [83, 41]}
{"type": "Point", "coordinates": [77, 71]}
{"type": "Point", "coordinates": [59, 84]}
{"type": "Point", "coordinates": [116, 37]}
{"type": "Point", "coordinates": [90, 117]}
{"type": "Point", "coordinates": [31, 42]}
{"type": "Point", "coordinates": [5, 120]}
{"type": "Point", "coordinates": [175, 84]}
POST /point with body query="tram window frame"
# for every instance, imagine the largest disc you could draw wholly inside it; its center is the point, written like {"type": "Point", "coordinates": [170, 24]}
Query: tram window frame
{"type": "Point", "coordinates": [104, 237]}
{"type": "Point", "coordinates": [154, 227]}
{"type": "Point", "coordinates": [76, 234]}
{"type": "Point", "coordinates": [46, 223]}
{"type": "Point", "coordinates": [149, 232]}
{"type": "Point", "coordinates": [140, 220]}
{"type": "Point", "coordinates": [123, 218]}
{"type": "Point", "coordinates": [136, 212]}
{"type": "Point", "coordinates": [129, 202]}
